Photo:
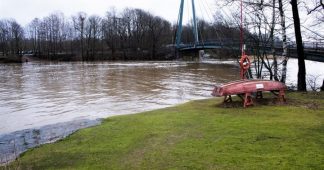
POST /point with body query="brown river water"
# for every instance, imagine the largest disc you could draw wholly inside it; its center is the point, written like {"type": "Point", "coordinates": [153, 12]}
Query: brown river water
{"type": "Point", "coordinates": [37, 94]}
{"type": "Point", "coordinates": [43, 102]}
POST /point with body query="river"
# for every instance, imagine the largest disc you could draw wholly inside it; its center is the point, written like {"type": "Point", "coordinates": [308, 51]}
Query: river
{"type": "Point", "coordinates": [35, 95]}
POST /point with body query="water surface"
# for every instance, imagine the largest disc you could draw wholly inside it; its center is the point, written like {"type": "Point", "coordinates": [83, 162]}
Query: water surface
{"type": "Point", "coordinates": [37, 94]}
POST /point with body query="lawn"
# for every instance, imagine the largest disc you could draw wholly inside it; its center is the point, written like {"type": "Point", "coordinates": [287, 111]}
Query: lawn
{"type": "Point", "coordinates": [199, 134]}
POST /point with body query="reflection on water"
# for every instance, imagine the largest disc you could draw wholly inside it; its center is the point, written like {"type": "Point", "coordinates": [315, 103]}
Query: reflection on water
{"type": "Point", "coordinates": [37, 94]}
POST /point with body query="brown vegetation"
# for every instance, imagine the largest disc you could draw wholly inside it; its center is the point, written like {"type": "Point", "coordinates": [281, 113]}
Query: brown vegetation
{"type": "Point", "coordinates": [133, 34]}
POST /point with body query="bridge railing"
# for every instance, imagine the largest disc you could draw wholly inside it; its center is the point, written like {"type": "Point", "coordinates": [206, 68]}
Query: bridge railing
{"type": "Point", "coordinates": [318, 46]}
{"type": "Point", "coordinates": [219, 43]}
{"type": "Point", "coordinates": [235, 44]}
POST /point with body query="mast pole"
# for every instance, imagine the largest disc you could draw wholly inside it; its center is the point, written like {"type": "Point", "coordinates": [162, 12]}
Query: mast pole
{"type": "Point", "coordinates": [195, 27]}
{"type": "Point", "coordinates": [179, 31]}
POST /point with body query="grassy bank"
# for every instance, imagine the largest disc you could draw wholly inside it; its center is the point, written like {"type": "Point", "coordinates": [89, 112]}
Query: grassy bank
{"type": "Point", "coordinates": [196, 135]}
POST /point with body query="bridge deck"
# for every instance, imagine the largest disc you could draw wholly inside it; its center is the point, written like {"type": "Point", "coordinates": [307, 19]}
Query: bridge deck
{"type": "Point", "coordinates": [313, 51]}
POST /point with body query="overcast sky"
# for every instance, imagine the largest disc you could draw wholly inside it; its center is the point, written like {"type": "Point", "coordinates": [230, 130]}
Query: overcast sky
{"type": "Point", "coordinates": [25, 11]}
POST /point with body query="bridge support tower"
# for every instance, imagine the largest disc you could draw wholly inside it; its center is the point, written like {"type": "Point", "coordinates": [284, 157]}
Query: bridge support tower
{"type": "Point", "coordinates": [194, 23]}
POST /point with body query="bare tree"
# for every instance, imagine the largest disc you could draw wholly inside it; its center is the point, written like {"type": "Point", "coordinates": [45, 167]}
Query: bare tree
{"type": "Point", "coordinates": [17, 35]}
{"type": "Point", "coordinates": [4, 36]}
{"type": "Point", "coordinates": [92, 34]}
{"type": "Point", "coordinates": [319, 4]}
{"type": "Point", "coordinates": [284, 42]}
{"type": "Point", "coordinates": [70, 36]}
{"type": "Point", "coordinates": [156, 28]}
{"type": "Point", "coordinates": [55, 24]}
{"type": "Point", "coordinates": [312, 82]}
{"type": "Point", "coordinates": [79, 25]}
{"type": "Point", "coordinates": [110, 31]}
{"type": "Point", "coordinates": [262, 36]}
{"type": "Point", "coordinates": [140, 23]}
{"type": "Point", "coordinates": [272, 39]}
{"type": "Point", "coordinates": [301, 82]}
{"type": "Point", "coordinates": [33, 35]}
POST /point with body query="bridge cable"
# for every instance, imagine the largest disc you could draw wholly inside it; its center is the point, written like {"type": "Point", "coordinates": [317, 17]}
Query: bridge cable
{"type": "Point", "coordinates": [229, 17]}
{"type": "Point", "coordinates": [241, 30]}
{"type": "Point", "coordinates": [188, 15]}
{"type": "Point", "coordinates": [208, 12]}
{"type": "Point", "coordinates": [176, 31]}
{"type": "Point", "coordinates": [205, 9]}
{"type": "Point", "coordinates": [204, 4]}
{"type": "Point", "coordinates": [201, 31]}
{"type": "Point", "coordinates": [220, 38]}
{"type": "Point", "coordinates": [226, 22]}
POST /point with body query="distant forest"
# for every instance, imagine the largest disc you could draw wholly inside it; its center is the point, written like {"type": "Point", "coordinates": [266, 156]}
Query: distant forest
{"type": "Point", "coordinates": [132, 34]}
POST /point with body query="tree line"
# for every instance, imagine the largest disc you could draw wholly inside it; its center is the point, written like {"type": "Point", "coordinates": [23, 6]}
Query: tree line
{"type": "Point", "coordinates": [132, 34]}
{"type": "Point", "coordinates": [87, 37]}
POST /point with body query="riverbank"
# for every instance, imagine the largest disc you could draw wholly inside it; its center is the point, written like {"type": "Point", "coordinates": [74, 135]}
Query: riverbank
{"type": "Point", "coordinates": [15, 143]}
{"type": "Point", "coordinates": [200, 134]}
{"type": "Point", "coordinates": [11, 59]}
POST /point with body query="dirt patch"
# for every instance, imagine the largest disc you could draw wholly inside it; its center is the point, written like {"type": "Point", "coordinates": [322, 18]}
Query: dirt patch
{"type": "Point", "coordinates": [238, 103]}
{"type": "Point", "coordinates": [313, 106]}
{"type": "Point", "coordinates": [307, 104]}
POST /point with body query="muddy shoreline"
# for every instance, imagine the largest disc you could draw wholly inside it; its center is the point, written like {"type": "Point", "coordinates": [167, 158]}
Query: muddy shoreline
{"type": "Point", "coordinates": [15, 143]}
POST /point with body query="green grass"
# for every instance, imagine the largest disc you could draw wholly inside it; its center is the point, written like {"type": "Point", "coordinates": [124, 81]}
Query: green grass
{"type": "Point", "coordinates": [196, 135]}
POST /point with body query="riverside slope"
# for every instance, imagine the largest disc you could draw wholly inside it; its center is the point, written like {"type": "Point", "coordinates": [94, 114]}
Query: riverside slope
{"type": "Point", "coordinates": [200, 134]}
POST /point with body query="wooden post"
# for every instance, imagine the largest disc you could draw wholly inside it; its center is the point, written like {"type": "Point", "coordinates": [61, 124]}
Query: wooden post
{"type": "Point", "coordinates": [247, 100]}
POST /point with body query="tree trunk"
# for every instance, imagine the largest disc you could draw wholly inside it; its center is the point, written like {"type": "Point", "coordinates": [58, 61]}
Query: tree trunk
{"type": "Point", "coordinates": [301, 86]}
{"type": "Point", "coordinates": [81, 43]}
{"type": "Point", "coordinates": [275, 63]}
{"type": "Point", "coordinates": [284, 42]}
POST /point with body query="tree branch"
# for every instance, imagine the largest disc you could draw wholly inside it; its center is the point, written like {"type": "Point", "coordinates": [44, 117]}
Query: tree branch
{"type": "Point", "coordinates": [315, 8]}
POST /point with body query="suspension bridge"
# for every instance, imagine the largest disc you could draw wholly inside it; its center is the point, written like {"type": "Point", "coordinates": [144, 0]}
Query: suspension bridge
{"type": "Point", "coordinates": [313, 50]}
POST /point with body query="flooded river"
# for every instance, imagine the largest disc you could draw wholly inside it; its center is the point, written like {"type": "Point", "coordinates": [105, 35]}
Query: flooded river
{"type": "Point", "coordinates": [37, 94]}
{"type": "Point", "coordinates": [46, 95]}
